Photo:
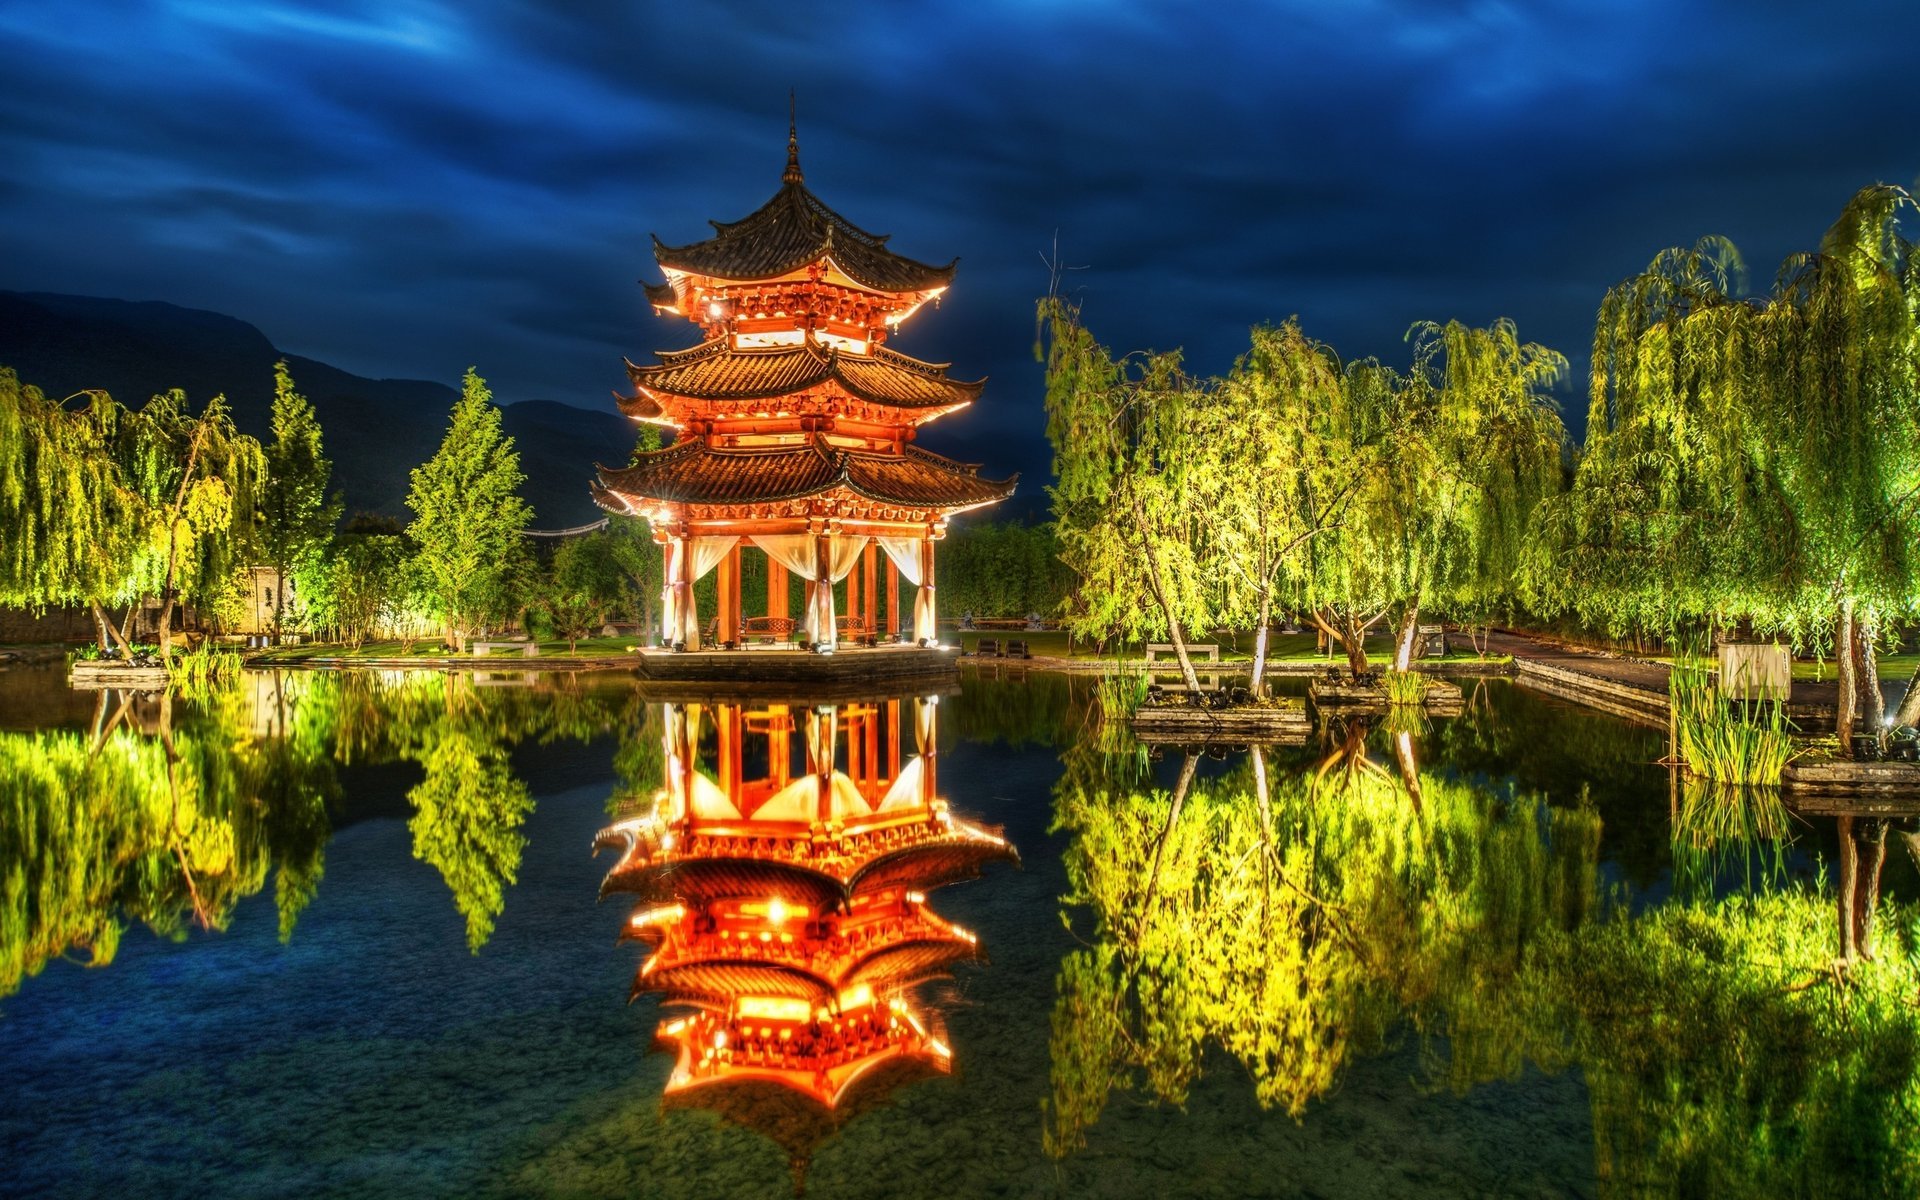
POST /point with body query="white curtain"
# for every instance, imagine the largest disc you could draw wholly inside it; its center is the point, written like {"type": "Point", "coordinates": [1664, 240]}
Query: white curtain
{"type": "Point", "coordinates": [706, 555]}
{"type": "Point", "coordinates": [794, 551]}
{"type": "Point", "coordinates": [670, 623]}
{"type": "Point", "coordinates": [905, 553]}
{"type": "Point", "coordinates": [846, 555]}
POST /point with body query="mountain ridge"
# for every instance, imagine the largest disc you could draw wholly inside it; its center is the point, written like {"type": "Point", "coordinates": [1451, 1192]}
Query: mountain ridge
{"type": "Point", "coordinates": [376, 430]}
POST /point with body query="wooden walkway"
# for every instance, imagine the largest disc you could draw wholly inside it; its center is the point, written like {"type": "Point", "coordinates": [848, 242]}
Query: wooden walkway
{"type": "Point", "coordinates": [1630, 687]}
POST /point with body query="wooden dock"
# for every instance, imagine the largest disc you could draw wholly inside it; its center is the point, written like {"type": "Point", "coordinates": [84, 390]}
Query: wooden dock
{"type": "Point", "coordinates": [1283, 722]}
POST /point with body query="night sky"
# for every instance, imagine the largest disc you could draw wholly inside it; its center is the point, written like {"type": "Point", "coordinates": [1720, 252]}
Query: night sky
{"type": "Point", "coordinates": [402, 188]}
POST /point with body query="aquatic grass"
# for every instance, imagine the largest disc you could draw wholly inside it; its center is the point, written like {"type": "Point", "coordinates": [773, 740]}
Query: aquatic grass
{"type": "Point", "coordinates": [1748, 743]}
{"type": "Point", "coordinates": [1120, 694]}
{"type": "Point", "coordinates": [1405, 687]}
{"type": "Point", "coordinates": [1723, 830]}
{"type": "Point", "coordinates": [200, 669]}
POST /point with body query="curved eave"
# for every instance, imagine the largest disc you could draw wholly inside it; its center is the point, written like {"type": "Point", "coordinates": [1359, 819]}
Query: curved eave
{"type": "Point", "coordinates": [795, 369]}
{"type": "Point", "coordinates": [792, 230]}
{"type": "Point", "coordinates": [930, 482]}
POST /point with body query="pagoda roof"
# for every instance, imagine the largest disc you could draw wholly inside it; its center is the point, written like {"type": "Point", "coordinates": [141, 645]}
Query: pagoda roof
{"type": "Point", "coordinates": [716, 370]}
{"type": "Point", "coordinates": [692, 471]}
{"type": "Point", "coordinates": [793, 230]}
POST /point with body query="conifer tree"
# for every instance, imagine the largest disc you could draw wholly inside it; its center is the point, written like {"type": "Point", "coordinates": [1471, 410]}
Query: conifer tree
{"type": "Point", "coordinates": [296, 519]}
{"type": "Point", "coordinates": [468, 515]}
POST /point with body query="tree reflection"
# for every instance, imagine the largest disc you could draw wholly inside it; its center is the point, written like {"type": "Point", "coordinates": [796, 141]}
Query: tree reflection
{"type": "Point", "coordinates": [1726, 1047]}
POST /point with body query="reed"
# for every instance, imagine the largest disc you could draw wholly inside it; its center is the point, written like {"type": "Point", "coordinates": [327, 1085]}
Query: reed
{"type": "Point", "coordinates": [1742, 744]}
{"type": "Point", "coordinates": [1406, 687]}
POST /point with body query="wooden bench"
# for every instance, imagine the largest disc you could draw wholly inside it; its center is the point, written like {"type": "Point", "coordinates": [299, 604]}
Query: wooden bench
{"type": "Point", "coordinates": [988, 648]}
{"type": "Point", "coordinates": [1018, 649]}
{"type": "Point", "coordinates": [854, 630]}
{"type": "Point", "coordinates": [1209, 651]}
{"type": "Point", "coordinates": [771, 629]}
{"type": "Point", "coordinates": [522, 646]}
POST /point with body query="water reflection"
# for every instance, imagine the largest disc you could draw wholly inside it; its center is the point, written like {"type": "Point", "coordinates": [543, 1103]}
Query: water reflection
{"type": "Point", "coordinates": [1300, 918]}
{"type": "Point", "coordinates": [168, 811]}
{"type": "Point", "coordinates": [782, 874]}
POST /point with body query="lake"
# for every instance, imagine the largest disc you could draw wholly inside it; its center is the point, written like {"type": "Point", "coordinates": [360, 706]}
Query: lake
{"type": "Point", "coordinates": [424, 934]}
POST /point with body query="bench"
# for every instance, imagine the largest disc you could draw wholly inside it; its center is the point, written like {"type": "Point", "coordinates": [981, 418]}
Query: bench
{"type": "Point", "coordinates": [854, 630]}
{"type": "Point", "coordinates": [771, 629]}
{"type": "Point", "coordinates": [522, 646]}
{"type": "Point", "coordinates": [1018, 649]}
{"type": "Point", "coordinates": [1209, 651]}
{"type": "Point", "coordinates": [988, 648]}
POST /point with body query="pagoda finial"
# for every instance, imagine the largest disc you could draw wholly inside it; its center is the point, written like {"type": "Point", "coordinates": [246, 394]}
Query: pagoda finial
{"type": "Point", "coordinates": [793, 142]}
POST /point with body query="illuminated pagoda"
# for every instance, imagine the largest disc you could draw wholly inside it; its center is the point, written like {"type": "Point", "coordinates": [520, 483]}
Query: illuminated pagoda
{"type": "Point", "coordinates": [784, 903]}
{"type": "Point", "coordinates": [794, 428]}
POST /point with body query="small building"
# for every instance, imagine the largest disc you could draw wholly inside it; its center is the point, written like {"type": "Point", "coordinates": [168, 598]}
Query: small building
{"type": "Point", "coordinates": [264, 588]}
{"type": "Point", "coordinates": [794, 426]}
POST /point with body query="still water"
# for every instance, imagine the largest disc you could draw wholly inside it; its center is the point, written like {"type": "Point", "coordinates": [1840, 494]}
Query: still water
{"type": "Point", "coordinates": [396, 935]}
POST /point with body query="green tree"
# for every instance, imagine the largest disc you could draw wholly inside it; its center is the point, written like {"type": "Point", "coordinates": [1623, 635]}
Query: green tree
{"type": "Point", "coordinates": [468, 516]}
{"type": "Point", "coordinates": [1123, 436]}
{"type": "Point", "coordinates": [296, 519]}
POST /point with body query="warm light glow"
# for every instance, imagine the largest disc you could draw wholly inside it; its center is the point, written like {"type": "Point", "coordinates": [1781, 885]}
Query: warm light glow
{"type": "Point", "coordinates": [716, 310]}
{"type": "Point", "coordinates": [773, 1008]}
{"type": "Point", "coordinates": [658, 916]}
{"type": "Point", "coordinates": [858, 996]}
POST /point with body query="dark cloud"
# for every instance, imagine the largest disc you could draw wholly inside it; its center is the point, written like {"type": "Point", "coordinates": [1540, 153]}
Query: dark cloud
{"type": "Point", "coordinates": [404, 188]}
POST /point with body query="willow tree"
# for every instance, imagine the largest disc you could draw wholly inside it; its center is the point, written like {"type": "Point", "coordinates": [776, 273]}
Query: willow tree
{"type": "Point", "coordinates": [1837, 351]}
{"type": "Point", "coordinates": [1674, 511]}
{"type": "Point", "coordinates": [1346, 585]}
{"type": "Point", "coordinates": [1270, 477]}
{"type": "Point", "coordinates": [1481, 448]}
{"type": "Point", "coordinates": [71, 522]}
{"type": "Point", "coordinates": [1124, 453]}
{"type": "Point", "coordinates": [468, 515]}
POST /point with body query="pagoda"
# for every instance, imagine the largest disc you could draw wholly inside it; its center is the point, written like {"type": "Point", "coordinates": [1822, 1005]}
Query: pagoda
{"type": "Point", "coordinates": [794, 428]}
{"type": "Point", "coordinates": [785, 909]}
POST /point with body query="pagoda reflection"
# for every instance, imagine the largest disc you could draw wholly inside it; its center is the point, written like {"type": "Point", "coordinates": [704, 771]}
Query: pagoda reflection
{"type": "Point", "coordinates": [782, 882]}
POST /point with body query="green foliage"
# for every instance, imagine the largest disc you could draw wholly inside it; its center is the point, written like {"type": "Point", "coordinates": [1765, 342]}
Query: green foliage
{"type": "Point", "coordinates": [1002, 569]}
{"type": "Point", "coordinates": [467, 815]}
{"type": "Point", "coordinates": [468, 517]}
{"type": "Point", "coordinates": [1405, 687]}
{"type": "Point", "coordinates": [296, 519]}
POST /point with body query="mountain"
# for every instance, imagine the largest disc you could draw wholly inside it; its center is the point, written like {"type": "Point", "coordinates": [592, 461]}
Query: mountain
{"type": "Point", "coordinates": [377, 430]}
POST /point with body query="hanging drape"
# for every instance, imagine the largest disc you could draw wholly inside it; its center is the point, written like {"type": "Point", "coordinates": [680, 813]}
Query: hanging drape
{"type": "Point", "coordinates": [926, 628]}
{"type": "Point", "coordinates": [706, 553]}
{"type": "Point", "coordinates": [794, 551]}
{"type": "Point", "coordinates": [905, 553]}
{"type": "Point", "coordinates": [670, 622]}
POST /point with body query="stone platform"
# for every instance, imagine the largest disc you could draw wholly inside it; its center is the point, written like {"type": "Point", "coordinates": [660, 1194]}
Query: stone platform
{"type": "Point", "coordinates": [887, 665]}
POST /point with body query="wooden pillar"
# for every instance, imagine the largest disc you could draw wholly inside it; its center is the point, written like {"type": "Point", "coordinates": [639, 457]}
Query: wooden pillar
{"type": "Point", "coordinates": [853, 593]}
{"type": "Point", "coordinates": [779, 745]}
{"type": "Point", "coordinates": [867, 570]}
{"type": "Point", "coordinates": [728, 597]}
{"type": "Point", "coordinates": [926, 623]}
{"type": "Point", "coordinates": [893, 740]}
{"type": "Point", "coordinates": [727, 727]}
{"type": "Point", "coordinates": [776, 588]}
{"type": "Point", "coordinates": [893, 600]}
{"type": "Point", "coordinates": [874, 782]}
{"type": "Point", "coordinates": [823, 631]}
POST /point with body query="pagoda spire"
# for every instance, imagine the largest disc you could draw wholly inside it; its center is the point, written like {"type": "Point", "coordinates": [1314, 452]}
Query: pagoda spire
{"type": "Point", "coordinates": [792, 174]}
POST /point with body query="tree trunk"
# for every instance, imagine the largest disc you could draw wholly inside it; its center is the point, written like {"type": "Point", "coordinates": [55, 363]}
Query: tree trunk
{"type": "Point", "coordinates": [1909, 713]}
{"type": "Point", "coordinates": [1180, 788]}
{"type": "Point", "coordinates": [1409, 630]}
{"type": "Point", "coordinates": [1354, 641]}
{"type": "Point", "coordinates": [1871, 700]}
{"type": "Point", "coordinates": [1847, 698]}
{"type": "Point", "coordinates": [107, 631]}
{"type": "Point", "coordinates": [164, 632]}
{"type": "Point", "coordinates": [1154, 581]}
{"type": "Point", "coordinates": [1258, 683]}
{"type": "Point", "coordinates": [1409, 766]}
